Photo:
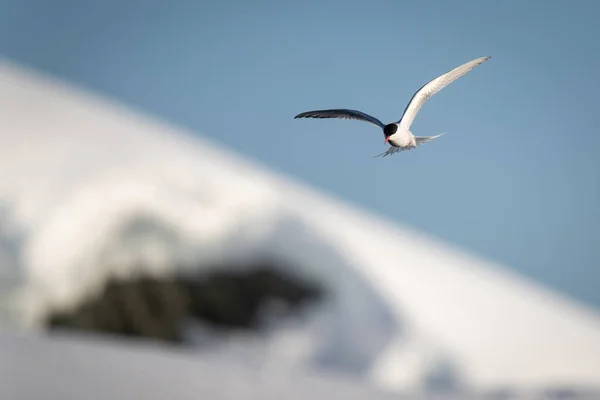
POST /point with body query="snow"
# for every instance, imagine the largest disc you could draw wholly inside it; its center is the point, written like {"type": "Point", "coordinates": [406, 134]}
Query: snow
{"type": "Point", "coordinates": [78, 173]}
{"type": "Point", "coordinates": [69, 368]}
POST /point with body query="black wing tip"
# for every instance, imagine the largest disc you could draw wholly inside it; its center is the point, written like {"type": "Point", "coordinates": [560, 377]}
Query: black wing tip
{"type": "Point", "coordinates": [309, 114]}
{"type": "Point", "coordinates": [302, 114]}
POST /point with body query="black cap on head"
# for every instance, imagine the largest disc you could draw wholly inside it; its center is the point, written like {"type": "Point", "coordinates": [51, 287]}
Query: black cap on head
{"type": "Point", "coordinates": [390, 129]}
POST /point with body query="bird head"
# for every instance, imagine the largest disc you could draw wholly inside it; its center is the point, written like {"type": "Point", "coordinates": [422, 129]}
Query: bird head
{"type": "Point", "coordinates": [389, 130]}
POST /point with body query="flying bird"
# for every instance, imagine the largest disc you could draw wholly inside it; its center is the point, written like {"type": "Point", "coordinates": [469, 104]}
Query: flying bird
{"type": "Point", "coordinates": [398, 133]}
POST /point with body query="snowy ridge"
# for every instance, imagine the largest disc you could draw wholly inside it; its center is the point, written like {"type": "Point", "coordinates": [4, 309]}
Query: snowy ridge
{"type": "Point", "coordinates": [75, 169]}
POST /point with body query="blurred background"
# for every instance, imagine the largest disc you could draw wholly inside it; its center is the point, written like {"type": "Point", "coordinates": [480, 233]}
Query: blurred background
{"type": "Point", "coordinates": [167, 229]}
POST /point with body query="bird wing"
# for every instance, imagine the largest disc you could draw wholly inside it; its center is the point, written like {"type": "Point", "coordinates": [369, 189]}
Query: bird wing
{"type": "Point", "coordinates": [432, 87]}
{"type": "Point", "coordinates": [341, 113]}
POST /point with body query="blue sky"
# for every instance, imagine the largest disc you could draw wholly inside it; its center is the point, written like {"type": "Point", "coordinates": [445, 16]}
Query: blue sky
{"type": "Point", "coordinates": [517, 177]}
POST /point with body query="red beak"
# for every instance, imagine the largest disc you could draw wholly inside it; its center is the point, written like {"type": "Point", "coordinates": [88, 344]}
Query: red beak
{"type": "Point", "coordinates": [386, 139]}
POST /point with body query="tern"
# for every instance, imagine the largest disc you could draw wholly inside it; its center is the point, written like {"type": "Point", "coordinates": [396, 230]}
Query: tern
{"type": "Point", "coordinates": [398, 133]}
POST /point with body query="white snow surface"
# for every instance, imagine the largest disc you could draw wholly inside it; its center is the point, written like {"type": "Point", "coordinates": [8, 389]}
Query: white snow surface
{"type": "Point", "coordinates": [76, 368]}
{"type": "Point", "coordinates": [89, 186]}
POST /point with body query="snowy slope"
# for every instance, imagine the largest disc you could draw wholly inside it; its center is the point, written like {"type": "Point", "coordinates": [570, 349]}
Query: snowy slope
{"type": "Point", "coordinates": [72, 368]}
{"type": "Point", "coordinates": [76, 170]}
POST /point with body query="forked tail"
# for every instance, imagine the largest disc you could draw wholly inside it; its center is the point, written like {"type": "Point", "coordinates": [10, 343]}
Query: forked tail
{"type": "Point", "coordinates": [419, 141]}
{"type": "Point", "coordinates": [424, 139]}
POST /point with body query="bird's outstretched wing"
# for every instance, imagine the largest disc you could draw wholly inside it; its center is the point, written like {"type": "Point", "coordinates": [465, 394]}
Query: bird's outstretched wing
{"type": "Point", "coordinates": [432, 87]}
{"type": "Point", "coordinates": [341, 113]}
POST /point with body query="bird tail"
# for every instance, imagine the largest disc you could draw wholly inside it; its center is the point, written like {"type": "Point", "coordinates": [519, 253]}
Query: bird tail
{"type": "Point", "coordinates": [418, 139]}
{"type": "Point", "coordinates": [424, 139]}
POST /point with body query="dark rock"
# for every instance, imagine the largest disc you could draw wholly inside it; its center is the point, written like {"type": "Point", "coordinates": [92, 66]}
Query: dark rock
{"type": "Point", "coordinates": [159, 308]}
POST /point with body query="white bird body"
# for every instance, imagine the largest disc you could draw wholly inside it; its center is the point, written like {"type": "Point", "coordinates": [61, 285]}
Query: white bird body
{"type": "Point", "coordinates": [402, 138]}
{"type": "Point", "coordinates": [398, 133]}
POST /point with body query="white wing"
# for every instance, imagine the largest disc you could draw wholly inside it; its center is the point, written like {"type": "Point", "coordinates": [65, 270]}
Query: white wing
{"type": "Point", "coordinates": [432, 87]}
